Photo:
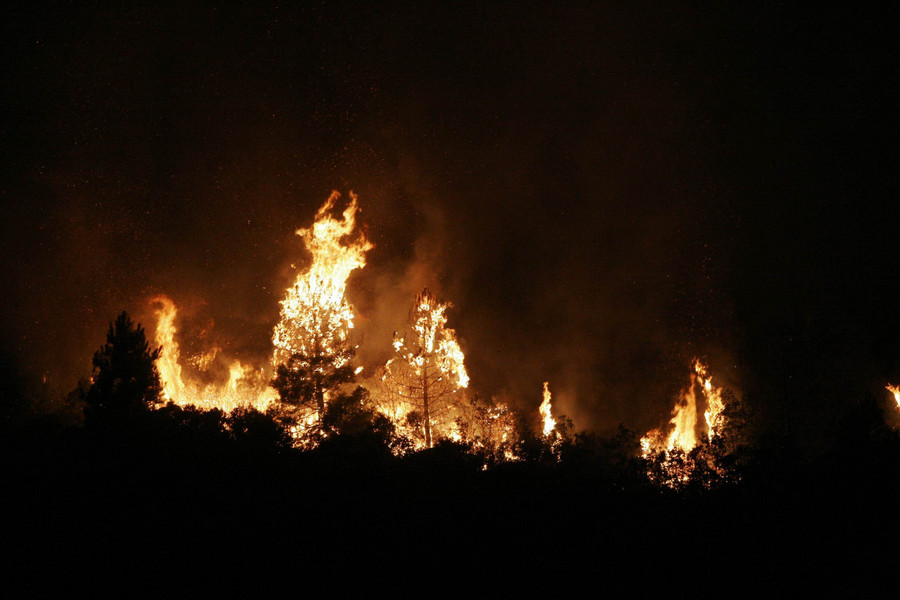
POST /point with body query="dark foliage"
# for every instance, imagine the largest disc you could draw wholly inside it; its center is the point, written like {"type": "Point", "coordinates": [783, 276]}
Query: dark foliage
{"type": "Point", "coordinates": [257, 432]}
{"type": "Point", "coordinates": [201, 489]}
{"type": "Point", "coordinates": [125, 381]}
{"type": "Point", "coordinates": [305, 380]}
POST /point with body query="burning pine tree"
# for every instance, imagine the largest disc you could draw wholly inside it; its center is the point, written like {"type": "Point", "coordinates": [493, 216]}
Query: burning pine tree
{"type": "Point", "coordinates": [312, 345]}
{"type": "Point", "coordinates": [312, 341]}
{"type": "Point", "coordinates": [423, 382]}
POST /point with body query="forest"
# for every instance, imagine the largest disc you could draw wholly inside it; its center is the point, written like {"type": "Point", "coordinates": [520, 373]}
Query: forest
{"type": "Point", "coordinates": [448, 298]}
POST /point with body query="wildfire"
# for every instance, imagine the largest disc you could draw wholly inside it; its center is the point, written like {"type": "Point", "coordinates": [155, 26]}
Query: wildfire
{"type": "Point", "coordinates": [895, 390]}
{"type": "Point", "coordinates": [168, 363]}
{"type": "Point", "coordinates": [436, 342]}
{"type": "Point", "coordinates": [685, 416]}
{"type": "Point", "coordinates": [489, 428]}
{"type": "Point", "coordinates": [420, 383]}
{"type": "Point", "coordinates": [245, 387]}
{"type": "Point", "coordinates": [714, 404]}
{"type": "Point", "coordinates": [544, 410]}
{"type": "Point", "coordinates": [315, 316]}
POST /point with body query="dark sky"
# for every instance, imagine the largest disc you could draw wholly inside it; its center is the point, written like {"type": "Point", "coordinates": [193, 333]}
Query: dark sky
{"type": "Point", "coordinates": [603, 190]}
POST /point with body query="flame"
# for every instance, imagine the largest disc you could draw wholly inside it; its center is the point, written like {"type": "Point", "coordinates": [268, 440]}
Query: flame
{"type": "Point", "coordinates": [436, 342]}
{"type": "Point", "coordinates": [544, 409]}
{"type": "Point", "coordinates": [168, 364]}
{"type": "Point", "coordinates": [245, 387]}
{"type": "Point", "coordinates": [895, 390]}
{"type": "Point", "coordinates": [490, 428]}
{"type": "Point", "coordinates": [426, 373]}
{"type": "Point", "coordinates": [315, 316]}
{"type": "Point", "coordinates": [715, 421]}
{"type": "Point", "coordinates": [684, 420]}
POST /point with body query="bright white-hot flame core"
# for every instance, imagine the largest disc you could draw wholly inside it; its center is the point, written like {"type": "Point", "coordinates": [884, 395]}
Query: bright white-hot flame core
{"type": "Point", "coordinates": [546, 417]}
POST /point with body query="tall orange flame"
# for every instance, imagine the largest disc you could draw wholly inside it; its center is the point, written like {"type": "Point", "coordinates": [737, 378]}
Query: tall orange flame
{"type": "Point", "coordinates": [685, 416]}
{"type": "Point", "coordinates": [544, 409]}
{"type": "Point", "coordinates": [315, 316]}
{"type": "Point", "coordinates": [715, 420]}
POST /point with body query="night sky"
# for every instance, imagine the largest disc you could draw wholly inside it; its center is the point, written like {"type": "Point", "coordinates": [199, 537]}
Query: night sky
{"type": "Point", "coordinates": [603, 191]}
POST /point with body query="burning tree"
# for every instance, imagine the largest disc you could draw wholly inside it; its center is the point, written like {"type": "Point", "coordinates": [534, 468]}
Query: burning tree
{"type": "Point", "coordinates": [492, 429]}
{"type": "Point", "coordinates": [312, 346]}
{"type": "Point", "coordinates": [423, 382]}
{"type": "Point", "coordinates": [312, 341]}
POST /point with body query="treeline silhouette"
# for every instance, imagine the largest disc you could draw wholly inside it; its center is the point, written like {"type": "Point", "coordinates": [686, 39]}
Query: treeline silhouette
{"type": "Point", "coordinates": [157, 496]}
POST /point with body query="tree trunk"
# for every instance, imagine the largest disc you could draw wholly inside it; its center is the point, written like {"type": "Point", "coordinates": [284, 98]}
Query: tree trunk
{"type": "Point", "coordinates": [320, 401]}
{"type": "Point", "coordinates": [426, 414]}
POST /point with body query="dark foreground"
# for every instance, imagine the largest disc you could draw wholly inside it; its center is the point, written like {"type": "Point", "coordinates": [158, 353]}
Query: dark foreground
{"type": "Point", "coordinates": [163, 511]}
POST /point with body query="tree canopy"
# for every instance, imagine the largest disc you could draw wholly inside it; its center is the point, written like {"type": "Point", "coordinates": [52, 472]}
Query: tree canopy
{"type": "Point", "coordinates": [125, 380]}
